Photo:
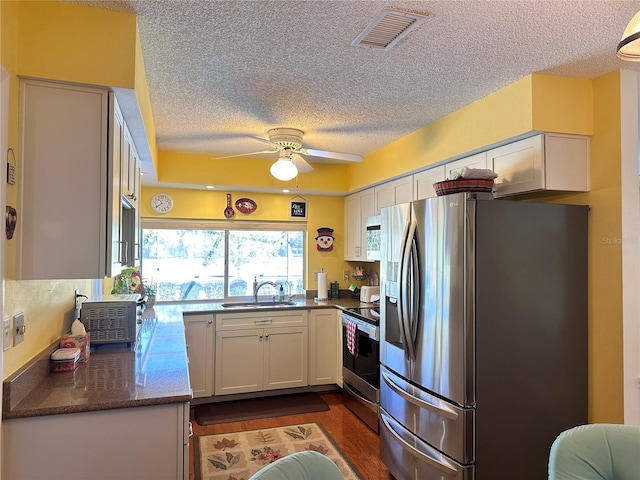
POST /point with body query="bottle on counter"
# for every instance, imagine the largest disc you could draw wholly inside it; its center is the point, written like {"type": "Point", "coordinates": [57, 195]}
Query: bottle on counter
{"type": "Point", "coordinates": [281, 293]}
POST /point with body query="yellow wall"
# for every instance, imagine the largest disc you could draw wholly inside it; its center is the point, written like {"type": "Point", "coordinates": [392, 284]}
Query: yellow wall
{"type": "Point", "coordinates": [536, 102]}
{"type": "Point", "coordinates": [322, 211]}
{"type": "Point", "coordinates": [201, 169]}
{"type": "Point", "coordinates": [77, 44]}
{"type": "Point", "coordinates": [141, 90]}
{"type": "Point", "coordinates": [605, 258]}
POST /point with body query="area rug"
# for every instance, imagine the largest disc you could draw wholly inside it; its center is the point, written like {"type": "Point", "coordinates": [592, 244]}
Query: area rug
{"type": "Point", "coordinates": [265, 407]}
{"type": "Point", "coordinates": [238, 455]}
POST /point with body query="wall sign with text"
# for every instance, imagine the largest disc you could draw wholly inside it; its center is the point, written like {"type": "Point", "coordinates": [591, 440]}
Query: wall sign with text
{"type": "Point", "coordinates": [298, 209]}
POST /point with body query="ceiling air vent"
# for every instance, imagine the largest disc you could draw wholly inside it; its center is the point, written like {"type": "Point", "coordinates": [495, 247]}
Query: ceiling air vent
{"type": "Point", "coordinates": [389, 27]}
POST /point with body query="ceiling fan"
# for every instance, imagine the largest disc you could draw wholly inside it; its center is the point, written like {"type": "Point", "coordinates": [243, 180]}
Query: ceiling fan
{"type": "Point", "coordinates": [287, 143]}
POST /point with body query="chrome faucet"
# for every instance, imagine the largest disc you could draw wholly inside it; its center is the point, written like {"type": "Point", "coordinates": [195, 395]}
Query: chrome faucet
{"type": "Point", "coordinates": [257, 286]}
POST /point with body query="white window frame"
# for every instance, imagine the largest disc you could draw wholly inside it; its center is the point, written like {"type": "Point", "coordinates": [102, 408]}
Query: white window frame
{"type": "Point", "coordinates": [199, 224]}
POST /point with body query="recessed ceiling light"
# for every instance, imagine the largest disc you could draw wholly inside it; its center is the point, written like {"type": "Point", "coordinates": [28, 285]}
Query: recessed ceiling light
{"type": "Point", "coordinates": [210, 187]}
{"type": "Point", "coordinates": [286, 191]}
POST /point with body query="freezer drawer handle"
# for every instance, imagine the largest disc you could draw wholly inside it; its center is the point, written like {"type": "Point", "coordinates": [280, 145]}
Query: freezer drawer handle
{"type": "Point", "coordinates": [440, 410]}
{"type": "Point", "coordinates": [434, 462]}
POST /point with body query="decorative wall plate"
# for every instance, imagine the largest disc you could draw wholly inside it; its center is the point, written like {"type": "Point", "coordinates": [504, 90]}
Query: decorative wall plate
{"type": "Point", "coordinates": [246, 205]}
{"type": "Point", "coordinates": [229, 212]}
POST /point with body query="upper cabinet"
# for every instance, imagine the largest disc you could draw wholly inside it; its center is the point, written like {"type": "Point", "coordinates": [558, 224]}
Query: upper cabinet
{"type": "Point", "coordinates": [357, 207]}
{"type": "Point", "coordinates": [393, 193]}
{"type": "Point", "coordinates": [423, 182]}
{"type": "Point", "coordinates": [453, 169]}
{"type": "Point", "coordinates": [71, 222]}
{"type": "Point", "coordinates": [548, 161]}
{"type": "Point", "coordinates": [130, 174]}
{"type": "Point", "coordinates": [66, 191]}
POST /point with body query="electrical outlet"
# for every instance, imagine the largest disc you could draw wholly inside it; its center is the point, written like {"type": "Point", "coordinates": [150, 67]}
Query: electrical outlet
{"type": "Point", "coordinates": [315, 276]}
{"type": "Point", "coordinates": [345, 274]}
{"type": "Point", "coordinates": [6, 333]}
{"type": "Point", "coordinates": [19, 328]}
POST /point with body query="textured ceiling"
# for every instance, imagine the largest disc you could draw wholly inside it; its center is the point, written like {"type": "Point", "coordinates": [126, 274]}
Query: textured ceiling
{"type": "Point", "coordinates": [222, 71]}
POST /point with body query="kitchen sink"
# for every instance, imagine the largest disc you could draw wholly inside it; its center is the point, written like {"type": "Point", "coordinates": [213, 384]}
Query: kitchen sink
{"type": "Point", "coordinates": [267, 303]}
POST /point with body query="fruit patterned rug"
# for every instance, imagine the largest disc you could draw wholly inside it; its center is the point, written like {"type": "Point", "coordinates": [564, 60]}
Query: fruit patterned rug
{"type": "Point", "coordinates": [238, 455]}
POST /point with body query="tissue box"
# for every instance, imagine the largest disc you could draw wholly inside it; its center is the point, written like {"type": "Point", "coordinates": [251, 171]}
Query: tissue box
{"type": "Point", "coordinates": [80, 342]}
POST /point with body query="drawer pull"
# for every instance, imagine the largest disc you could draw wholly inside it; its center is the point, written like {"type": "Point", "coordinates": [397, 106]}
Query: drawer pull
{"type": "Point", "coordinates": [441, 410]}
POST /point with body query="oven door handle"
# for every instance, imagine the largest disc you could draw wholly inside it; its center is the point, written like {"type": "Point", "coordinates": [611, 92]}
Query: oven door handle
{"type": "Point", "coordinates": [437, 409]}
{"type": "Point", "coordinates": [363, 328]}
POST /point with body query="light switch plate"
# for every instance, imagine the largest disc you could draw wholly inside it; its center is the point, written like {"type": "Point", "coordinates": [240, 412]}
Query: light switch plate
{"type": "Point", "coordinates": [18, 328]}
{"type": "Point", "coordinates": [6, 333]}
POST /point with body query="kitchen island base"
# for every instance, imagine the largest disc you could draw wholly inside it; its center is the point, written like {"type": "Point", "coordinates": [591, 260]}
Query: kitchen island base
{"type": "Point", "coordinates": [118, 444]}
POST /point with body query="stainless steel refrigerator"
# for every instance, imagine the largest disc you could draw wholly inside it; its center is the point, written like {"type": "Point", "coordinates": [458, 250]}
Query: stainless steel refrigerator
{"type": "Point", "coordinates": [483, 335]}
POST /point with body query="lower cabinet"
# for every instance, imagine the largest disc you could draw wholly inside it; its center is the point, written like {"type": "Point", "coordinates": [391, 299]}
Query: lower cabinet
{"type": "Point", "coordinates": [258, 351]}
{"type": "Point", "coordinates": [252, 352]}
{"type": "Point", "coordinates": [200, 335]}
{"type": "Point", "coordinates": [324, 340]}
{"type": "Point", "coordinates": [118, 444]}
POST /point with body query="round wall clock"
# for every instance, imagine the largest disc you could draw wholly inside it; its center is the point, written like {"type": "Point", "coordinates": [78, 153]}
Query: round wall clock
{"type": "Point", "coordinates": [161, 203]}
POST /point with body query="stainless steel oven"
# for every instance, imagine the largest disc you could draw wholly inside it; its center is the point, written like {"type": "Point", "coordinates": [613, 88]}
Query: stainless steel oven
{"type": "Point", "coordinates": [361, 369]}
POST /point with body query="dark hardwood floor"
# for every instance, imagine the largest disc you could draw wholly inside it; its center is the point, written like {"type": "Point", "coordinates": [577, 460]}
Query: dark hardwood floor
{"type": "Point", "coordinates": [356, 440]}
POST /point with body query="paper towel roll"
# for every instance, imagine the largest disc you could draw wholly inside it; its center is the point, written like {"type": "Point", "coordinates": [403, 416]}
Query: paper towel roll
{"type": "Point", "coordinates": [323, 286]}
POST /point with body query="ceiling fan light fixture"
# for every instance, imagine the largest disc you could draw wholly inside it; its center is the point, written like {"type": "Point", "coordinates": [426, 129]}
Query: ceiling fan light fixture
{"type": "Point", "coordinates": [284, 169]}
{"type": "Point", "coordinates": [629, 46]}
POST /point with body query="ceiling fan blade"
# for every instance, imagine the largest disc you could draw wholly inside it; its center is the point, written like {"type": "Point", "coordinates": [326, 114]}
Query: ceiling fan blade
{"type": "Point", "coordinates": [301, 164]}
{"type": "Point", "coordinates": [348, 157]}
{"type": "Point", "coordinates": [245, 154]}
{"type": "Point", "coordinates": [264, 140]}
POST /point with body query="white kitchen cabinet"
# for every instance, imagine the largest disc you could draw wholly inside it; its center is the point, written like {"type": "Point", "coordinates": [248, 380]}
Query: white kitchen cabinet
{"type": "Point", "coordinates": [121, 221]}
{"type": "Point", "coordinates": [261, 351]}
{"type": "Point", "coordinates": [75, 226]}
{"type": "Point", "coordinates": [550, 161]}
{"type": "Point", "coordinates": [479, 160]}
{"type": "Point", "coordinates": [200, 336]}
{"type": "Point", "coordinates": [129, 205]}
{"type": "Point", "coordinates": [130, 173]}
{"type": "Point", "coordinates": [357, 207]}
{"type": "Point", "coordinates": [118, 444]}
{"type": "Point", "coordinates": [65, 227]}
{"type": "Point", "coordinates": [323, 346]}
{"type": "Point", "coordinates": [393, 193]}
{"type": "Point", "coordinates": [423, 182]}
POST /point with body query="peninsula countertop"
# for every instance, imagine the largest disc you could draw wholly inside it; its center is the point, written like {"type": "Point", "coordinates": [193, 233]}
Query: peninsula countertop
{"type": "Point", "coordinates": [155, 372]}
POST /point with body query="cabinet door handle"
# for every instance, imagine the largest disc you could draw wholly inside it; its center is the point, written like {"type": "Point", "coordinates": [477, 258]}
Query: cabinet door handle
{"type": "Point", "coordinates": [266, 336]}
{"type": "Point", "coordinates": [260, 337]}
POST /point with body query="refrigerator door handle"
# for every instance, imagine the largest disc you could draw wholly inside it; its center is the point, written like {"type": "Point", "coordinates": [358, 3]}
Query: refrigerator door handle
{"type": "Point", "coordinates": [414, 294]}
{"type": "Point", "coordinates": [442, 411]}
{"type": "Point", "coordinates": [423, 456]}
{"type": "Point", "coordinates": [406, 291]}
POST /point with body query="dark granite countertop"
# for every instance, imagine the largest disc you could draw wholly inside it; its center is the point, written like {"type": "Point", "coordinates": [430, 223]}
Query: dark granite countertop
{"type": "Point", "coordinates": [297, 304]}
{"type": "Point", "coordinates": [155, 372]}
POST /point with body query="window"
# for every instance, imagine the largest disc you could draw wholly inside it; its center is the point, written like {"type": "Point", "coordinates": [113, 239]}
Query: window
{"type": "Point", "coordinates": [196, 261]}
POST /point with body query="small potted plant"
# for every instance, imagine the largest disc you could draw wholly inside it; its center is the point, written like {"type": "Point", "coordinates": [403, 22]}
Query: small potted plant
{"type": "Point", "coordinates": [149, 288]}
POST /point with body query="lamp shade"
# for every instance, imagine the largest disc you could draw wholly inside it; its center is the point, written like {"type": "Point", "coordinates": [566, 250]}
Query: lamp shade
{"type": "Point", "coordinates": [629, 46]}
{"type": "Point", "coordinates": [284, 169]}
